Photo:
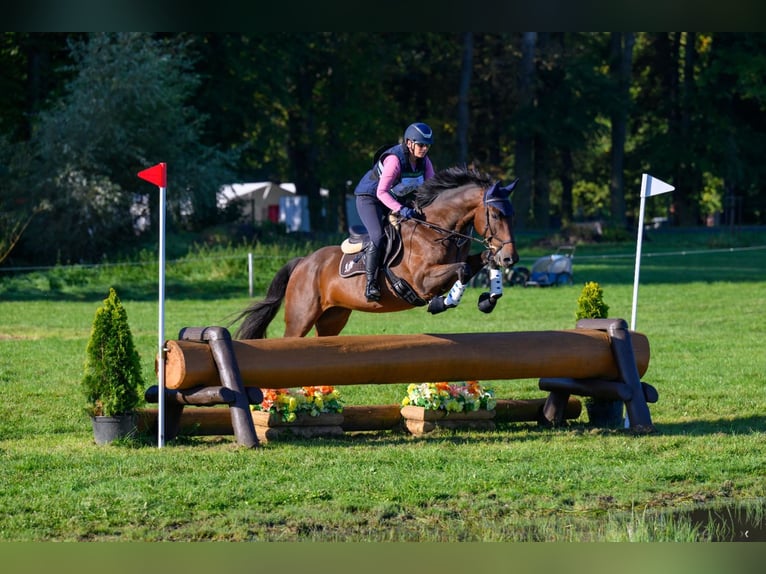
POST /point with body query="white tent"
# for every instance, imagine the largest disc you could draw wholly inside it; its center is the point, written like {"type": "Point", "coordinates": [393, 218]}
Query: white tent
{"type": "Point", "coordinates": [268, 201]}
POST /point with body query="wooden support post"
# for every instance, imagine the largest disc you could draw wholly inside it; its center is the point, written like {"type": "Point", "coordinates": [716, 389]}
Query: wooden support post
{"type": "Point", "coordinates": [219, 341]}
{"type": "Point", "coordinates": [637, 410]}
{"type": "Point", "coordinates": [627, 387]}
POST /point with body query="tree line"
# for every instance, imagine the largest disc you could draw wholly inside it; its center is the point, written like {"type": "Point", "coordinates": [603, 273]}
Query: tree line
{"type": "Point", "coordinates": [577, 117]}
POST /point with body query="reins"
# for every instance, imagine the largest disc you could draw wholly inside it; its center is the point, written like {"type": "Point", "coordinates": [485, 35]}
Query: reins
{"type": "Point", "coordinates": [450, 233]}
{"type": "Point", "coordinates": [486, 239]}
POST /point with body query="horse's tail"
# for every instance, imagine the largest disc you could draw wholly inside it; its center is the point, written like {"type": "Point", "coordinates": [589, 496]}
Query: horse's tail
{"type": "Point", "coordinates": [258, 315]}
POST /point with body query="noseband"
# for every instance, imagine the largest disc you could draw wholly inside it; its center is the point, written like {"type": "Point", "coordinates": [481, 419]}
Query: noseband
{"type": "Point", "coordinates": [504, 206]}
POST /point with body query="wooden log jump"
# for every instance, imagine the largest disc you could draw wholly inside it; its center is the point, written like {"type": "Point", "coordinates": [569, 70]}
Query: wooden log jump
{"type": "Point", "coordinates": [374, 360]}
{"type": "Point", "coordinates": [597, 350]}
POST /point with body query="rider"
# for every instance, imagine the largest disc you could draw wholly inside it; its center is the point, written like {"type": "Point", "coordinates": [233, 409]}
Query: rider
{"type": "Point", "coordinates": [397, 172]}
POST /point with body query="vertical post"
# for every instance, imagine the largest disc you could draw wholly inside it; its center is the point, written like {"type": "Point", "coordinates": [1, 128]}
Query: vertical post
{"type": "Point", "coordinates": [158, 176]}
{"type": "Point", "coordinates": [649, 186]}
{"type": "Point", "coordinates": [161, 328]}
{"type": "Point", "coordinates": [250, 274]}
{"type": "Point", "coordinates": [638, 253]}
{"type": "Point", "coordinates": [221, 347]}
{"type": "Point", "coordinates": [637, 411]}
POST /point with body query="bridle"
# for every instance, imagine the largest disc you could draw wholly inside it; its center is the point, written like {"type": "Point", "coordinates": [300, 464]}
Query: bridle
{"type": "Point", "coordinates": [488, 237]}
{"type": "Point", "coordinates": [506, 208]}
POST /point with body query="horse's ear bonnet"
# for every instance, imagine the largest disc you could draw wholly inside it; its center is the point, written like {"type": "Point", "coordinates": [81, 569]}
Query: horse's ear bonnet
{"type": "Point", "coordinates": [500, 197]}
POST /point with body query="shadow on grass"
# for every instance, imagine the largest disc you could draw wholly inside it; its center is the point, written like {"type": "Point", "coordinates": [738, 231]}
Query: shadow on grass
{"type": "Point", "coordinates": [505, 432]}
{"type": "Point", "coordinates": [208, 290]}
{"type": "Point", "coordinates": [734, 426]}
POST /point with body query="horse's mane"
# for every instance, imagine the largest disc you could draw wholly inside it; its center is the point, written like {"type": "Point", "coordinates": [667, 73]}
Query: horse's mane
{"type": "Point", "coordinates": [449, 178]}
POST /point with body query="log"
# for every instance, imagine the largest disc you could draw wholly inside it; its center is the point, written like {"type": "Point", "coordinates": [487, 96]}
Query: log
{"type": "Point", "coordinates": [510, 410]}
{"type": "Point", "coordinates": [217, 421]}
{"type": "Point", "coordinates": [374, 417]}
{"type": "Point", "coordinates": [193, 396]}
{"type": "Point", "coordinates": [213, 421]}
{"type": "Point", "coordinates": [373, 359]}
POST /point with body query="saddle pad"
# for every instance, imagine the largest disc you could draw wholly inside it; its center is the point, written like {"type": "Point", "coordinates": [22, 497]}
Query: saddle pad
{"type": "Point", "coordinates": [351, 264]}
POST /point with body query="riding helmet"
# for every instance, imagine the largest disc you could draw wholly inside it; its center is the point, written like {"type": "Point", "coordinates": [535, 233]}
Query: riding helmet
{"type": "Point", "coordinates": [419, 133]}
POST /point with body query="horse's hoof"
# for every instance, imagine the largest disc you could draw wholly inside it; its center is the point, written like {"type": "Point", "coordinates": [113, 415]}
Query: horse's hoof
{"type": "Point", "coordinates": [487, 302]}
{"type": "Point", "coordinates": [437, 305]}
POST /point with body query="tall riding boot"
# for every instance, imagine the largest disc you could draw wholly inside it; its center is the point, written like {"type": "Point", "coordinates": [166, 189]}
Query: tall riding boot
{"type": "Point", "coordinates": [372, 291]}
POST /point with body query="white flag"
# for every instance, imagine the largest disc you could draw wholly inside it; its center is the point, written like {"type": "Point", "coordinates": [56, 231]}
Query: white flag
{"type": "Point", "coordinates": [652, 186]}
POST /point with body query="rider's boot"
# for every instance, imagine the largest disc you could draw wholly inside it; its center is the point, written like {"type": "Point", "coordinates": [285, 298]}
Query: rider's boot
{"type": "Point", "coordinates": [372, 291]}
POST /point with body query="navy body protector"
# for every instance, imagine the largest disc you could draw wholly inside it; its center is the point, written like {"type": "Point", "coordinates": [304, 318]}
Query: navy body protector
{"type": "Point", "coordinates": [409, 179]}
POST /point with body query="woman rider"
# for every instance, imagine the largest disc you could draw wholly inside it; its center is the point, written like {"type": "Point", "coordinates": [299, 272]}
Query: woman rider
{"type": "Point", "coordinates": [399, 171]}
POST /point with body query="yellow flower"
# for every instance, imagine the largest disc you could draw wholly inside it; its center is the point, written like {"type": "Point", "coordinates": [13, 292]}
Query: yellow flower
{"type": "Point", "coordinates": [312, 400]}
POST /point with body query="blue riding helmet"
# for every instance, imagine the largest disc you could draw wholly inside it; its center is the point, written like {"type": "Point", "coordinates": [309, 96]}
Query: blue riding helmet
{"type": "Point", "coordinates": [419, 133]}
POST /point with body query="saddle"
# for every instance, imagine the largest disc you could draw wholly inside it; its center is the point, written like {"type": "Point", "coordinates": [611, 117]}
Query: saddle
{"type": "Point", "coordinates": [353, 247]}
{"type": "Point", "coordinates": [353, 260]}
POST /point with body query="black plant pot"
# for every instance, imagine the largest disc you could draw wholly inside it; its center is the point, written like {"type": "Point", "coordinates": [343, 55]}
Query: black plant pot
{"type": "Point", "coordinates": [109, 429]}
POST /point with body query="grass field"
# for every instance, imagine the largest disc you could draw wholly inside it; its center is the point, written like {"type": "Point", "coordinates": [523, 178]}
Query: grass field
{"type": "Point", "coordinates": [701, 304]}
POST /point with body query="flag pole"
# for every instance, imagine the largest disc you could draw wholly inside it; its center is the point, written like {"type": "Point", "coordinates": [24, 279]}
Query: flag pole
{"type": "Point", "coordinates": [638, 252]}
{"type": "Point", "coordinates": [649, 186]}
{"type": "Point", "coordinates": [158, 176]}
{"type": "Point", "coordinates": [161, 327]}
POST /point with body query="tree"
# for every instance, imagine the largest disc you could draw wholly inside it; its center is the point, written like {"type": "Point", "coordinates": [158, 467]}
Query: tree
{"type": "Point", "coordinates": [125, 108]}
{"type": "Point", "coordinates": [621, 57]}
{"type": "Point", "coordinates": [112, 378]}
{"type": "Point", "coordinates": [524, 138]}
{"type": "Point", "coordinates": [466, 71]}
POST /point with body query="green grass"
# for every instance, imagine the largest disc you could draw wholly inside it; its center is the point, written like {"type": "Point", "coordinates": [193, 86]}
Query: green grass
{"type": "Point", "coordinates": [704, 317]}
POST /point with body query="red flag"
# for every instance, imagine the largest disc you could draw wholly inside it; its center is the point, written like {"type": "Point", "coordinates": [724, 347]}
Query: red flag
{"type": "Point", "coordinates": [156, 175]}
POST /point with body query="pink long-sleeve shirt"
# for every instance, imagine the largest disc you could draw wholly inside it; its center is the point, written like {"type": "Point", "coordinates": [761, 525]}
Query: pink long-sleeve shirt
{"type": "Point", "coordinates": [390, 175]}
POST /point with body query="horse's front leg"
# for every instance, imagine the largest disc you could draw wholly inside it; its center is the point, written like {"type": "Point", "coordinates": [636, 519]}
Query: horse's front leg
{"type": "Point", "coordinates": [441, 303]}
{"type": "Point", "coordinates": [488, 300]}
{"type": "Point", "coordinates": [465, 272]}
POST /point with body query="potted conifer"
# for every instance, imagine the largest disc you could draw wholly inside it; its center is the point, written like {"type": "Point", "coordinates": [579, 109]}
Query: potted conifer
{"type": "Point", "coordinates": [591, 305]}
{"type": "Point", "coordinates": [112, 380]}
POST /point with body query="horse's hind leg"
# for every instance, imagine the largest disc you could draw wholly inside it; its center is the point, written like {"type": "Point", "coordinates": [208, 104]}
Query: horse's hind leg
{"type": "Point", "coordinates": [332, 321]}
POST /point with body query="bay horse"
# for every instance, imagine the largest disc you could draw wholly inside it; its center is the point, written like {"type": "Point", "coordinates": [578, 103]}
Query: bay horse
{"type": "Point", "coordinates": [454, 206]}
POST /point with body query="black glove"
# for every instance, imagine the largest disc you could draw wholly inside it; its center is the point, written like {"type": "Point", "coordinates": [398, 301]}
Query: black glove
{"type": "Point", "coordinates": [406, 212]}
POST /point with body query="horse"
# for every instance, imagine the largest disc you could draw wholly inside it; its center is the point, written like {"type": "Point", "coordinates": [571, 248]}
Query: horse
{"type": "Point", "coordinates": [453, 207]}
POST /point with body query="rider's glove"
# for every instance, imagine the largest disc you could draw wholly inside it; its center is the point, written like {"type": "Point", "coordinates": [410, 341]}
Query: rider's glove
{"type": "Point", "coordinates": [406, 212]}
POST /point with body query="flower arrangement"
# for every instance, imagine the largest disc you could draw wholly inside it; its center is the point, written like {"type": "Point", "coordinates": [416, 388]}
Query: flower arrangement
{"type": "Point", "coordinates": [451, 397]}
{"type": "Point", "coordinates": [312, 400]}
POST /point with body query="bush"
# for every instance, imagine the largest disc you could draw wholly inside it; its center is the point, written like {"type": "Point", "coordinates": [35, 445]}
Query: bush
{"type": "Point", "coordinates": [113, 378]}
{"type": "Point", "coordinates": [590, 303]}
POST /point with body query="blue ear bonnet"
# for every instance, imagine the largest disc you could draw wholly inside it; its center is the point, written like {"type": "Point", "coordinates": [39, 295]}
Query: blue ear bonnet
{"type": "Point", "coordinates": [499, 197]}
